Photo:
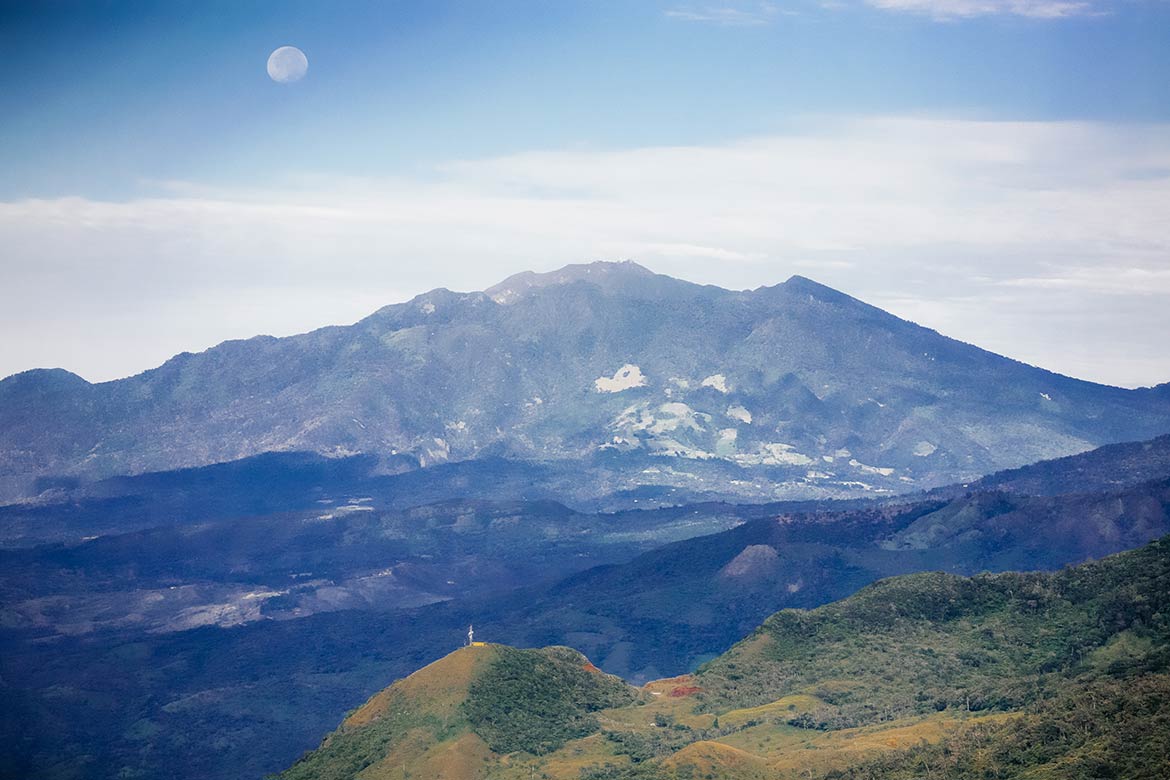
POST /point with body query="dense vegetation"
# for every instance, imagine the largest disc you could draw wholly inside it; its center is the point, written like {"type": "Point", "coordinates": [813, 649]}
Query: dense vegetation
{"type": "Point", "coordinates": [1103, 729]}
{"type": "Point", "coordinates": [535, 701]}
{"type": "Point", "coordinates": [934, 641]}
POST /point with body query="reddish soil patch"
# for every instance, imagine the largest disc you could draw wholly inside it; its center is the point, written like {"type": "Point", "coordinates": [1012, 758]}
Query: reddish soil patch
{"type": "Point", "coordinates": [683, 690]}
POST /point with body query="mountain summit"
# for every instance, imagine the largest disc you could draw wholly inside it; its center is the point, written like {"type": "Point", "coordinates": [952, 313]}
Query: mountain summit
{"type": "Point", "coordinates": [626, 276]}
{"type": "Point", "coordinates": [638, 379]}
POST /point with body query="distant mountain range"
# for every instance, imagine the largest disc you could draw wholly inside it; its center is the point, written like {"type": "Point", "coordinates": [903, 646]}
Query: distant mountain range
{"type": "Point", "coordinates": [634, 382]}
{"type": "Point", "coordinates": [1062, 676]}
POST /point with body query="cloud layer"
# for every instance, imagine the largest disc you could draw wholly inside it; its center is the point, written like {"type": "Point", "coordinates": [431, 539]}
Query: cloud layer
{"type": "Point", "coordinates": [747, 15]}
{"type": "Point", "coordinates": [756, 14]}
{"type": "Point", "coordinates": [1044, 241]}
{"type": "Point", "coordinates": [962, 9]}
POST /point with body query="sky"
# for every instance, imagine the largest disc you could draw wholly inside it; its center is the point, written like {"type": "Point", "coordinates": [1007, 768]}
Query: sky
{"type": "Point", "coordinates": [998, 170]}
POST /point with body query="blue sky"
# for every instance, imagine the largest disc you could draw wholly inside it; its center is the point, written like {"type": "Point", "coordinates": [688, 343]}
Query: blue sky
{"type": "Point", "coordinates": [106, 98]}
{"type": "Point", "coordinates": [151, 166]}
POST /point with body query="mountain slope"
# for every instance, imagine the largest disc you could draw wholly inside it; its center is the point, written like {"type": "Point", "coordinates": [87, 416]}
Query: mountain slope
{"type": "Point", "coordinates": [1060, 675]}
{"type": "Point", "coordinates": [797, 385]}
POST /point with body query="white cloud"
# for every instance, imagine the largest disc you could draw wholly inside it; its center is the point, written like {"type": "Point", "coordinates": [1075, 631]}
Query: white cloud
{"type": "Point", "coordinates": [1058, 228]}
{"type": "Point", "coordinates": [728, 15]}
{"type": "Point", "coordinates": [760, 14]}
{"type": "Point", "coordinates": [961, 9]}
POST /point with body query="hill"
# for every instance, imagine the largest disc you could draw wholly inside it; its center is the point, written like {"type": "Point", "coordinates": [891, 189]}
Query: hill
{"type": "Point", "coordinates": [1051, 675]}
{"type": "Point", "coordinates": [791, 391]}
{"type": "Point", "coordinates": [453, 716]}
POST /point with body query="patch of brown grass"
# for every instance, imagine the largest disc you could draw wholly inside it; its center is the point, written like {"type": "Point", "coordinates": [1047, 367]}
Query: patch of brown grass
{"type": "Point", "coordinates": [437, 688]}
{"type": "Point", "coordinates": [568, 761]}
{"type": "Point", "coordinates": [715, 759]}
{"type": "Point", "coordinates": [828, 750]}
{"type": "Point", "coordinates": [781, 708]}
{"type": "Point", "coordinates": [465, 757]}
{"type": "Point", "coordinates": [667, 684]}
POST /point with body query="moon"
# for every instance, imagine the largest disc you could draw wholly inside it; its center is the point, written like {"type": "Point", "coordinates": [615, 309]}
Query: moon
{"type": "Point", "coordinates": [287, 64]}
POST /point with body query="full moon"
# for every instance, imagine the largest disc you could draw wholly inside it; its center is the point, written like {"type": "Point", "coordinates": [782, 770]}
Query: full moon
{"type": "Point", "coordinates": [287, 64]}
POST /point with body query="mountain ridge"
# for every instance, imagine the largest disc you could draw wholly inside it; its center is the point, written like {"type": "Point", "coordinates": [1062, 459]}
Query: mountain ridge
{"type": "Point", "coordinates": [535, 280]}
{"type": "Point", "coordinates": [795, 386]}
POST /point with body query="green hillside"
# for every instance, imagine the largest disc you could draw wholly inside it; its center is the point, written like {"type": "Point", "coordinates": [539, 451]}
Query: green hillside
{"type": "Point", "coordinates": [1052, 675]}
{"type": "Point", "coordinates": [475, 704]}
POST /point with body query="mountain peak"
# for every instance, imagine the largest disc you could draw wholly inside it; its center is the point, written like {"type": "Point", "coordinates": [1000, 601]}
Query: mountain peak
{"type": "Point", "coordinates": [43, 380]}
{"type": "Point", "coordinates": [440, 686]}
{"type": "Point", "coordinates": [467, 704]}
{"type": "Point", "coordinates": [805, 286]}
{"type": "Point", "coordinates": [605, 274]}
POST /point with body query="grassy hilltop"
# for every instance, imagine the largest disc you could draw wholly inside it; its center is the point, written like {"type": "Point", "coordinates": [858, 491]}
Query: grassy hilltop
{"type": "Point", "coordinates": [1052, 675]}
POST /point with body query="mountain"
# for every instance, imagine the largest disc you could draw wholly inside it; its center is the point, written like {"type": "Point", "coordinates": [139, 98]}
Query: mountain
{"type": "Point", "coordinates": [632, 379]}
{"type": "Point", "coordinates": [1105, 468]}
{"type": "Point", "coordinates": [1060, 675]}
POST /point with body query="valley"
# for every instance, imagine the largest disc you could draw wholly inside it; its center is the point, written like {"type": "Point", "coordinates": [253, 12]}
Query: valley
{"type": "Point", "coordinates": [255, 633]}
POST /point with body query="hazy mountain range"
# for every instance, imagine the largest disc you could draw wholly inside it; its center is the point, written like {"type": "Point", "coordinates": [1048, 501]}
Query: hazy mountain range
{"type": "Point", "coordinates": [628, 379]}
